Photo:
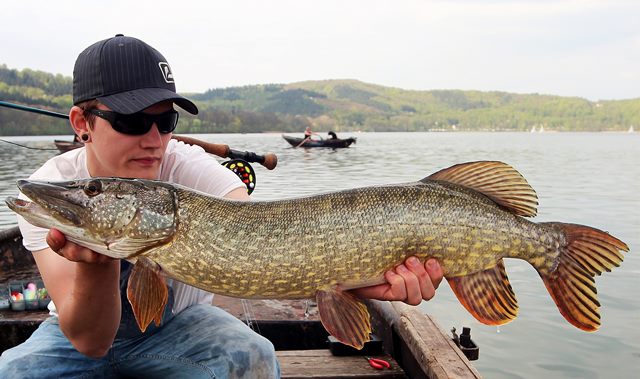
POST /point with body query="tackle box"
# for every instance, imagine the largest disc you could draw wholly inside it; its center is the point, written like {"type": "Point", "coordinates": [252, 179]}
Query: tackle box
{"type": "Point", "coordinates": [33, 294]}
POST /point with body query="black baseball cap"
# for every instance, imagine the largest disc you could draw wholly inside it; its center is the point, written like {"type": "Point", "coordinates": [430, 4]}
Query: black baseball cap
{"type": "Point", "coordinates": [125, 74]}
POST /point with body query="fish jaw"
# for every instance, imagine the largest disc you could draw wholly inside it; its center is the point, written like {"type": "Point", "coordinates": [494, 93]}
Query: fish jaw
{"type": "Point", "coordinates": [31, 211]}
{"type": "Point", "coordinates": [115, 217]}
{"type": "Point", "coordinates": [49, 203]}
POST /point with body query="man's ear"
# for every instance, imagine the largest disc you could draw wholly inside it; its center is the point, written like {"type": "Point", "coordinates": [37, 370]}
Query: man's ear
{"type": "Point", "coordinates": [78, 122]}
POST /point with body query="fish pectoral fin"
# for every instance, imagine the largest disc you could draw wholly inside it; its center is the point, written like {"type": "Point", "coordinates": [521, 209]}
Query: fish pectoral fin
{"type": "Point", "coordinates": [497, 180]}
{"type": "Point", "coordinates": [147, 292]}
{"type": "Point", "coordinates": [344, 316]}
{"type": "Point", "coordinates": [487, 295]}
{"type": "Point", "coordinates": [131, 246]}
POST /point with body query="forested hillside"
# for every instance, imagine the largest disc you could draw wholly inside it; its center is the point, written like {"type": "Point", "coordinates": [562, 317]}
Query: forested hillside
{"type": "Point", "coordinates": [339, 105]}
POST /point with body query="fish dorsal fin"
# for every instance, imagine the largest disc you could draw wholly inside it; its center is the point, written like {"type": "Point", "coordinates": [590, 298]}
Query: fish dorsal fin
{"type": "Point", "coordinates": [344, 316]}
{"type": "Point", "coordinates": [496, 180]}
{"type": "Point", "coordinates": [147, 292]}
{"type": "Point", "coordinates": [487, 295]}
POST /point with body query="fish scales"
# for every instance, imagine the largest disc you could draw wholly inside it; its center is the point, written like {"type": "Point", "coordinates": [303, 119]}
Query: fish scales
{"type": "Point", "coordinates": [377, 228]}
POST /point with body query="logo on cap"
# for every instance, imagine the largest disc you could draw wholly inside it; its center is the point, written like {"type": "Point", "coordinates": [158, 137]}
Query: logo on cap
{"type": "Point", "coordinates": [166, 72]}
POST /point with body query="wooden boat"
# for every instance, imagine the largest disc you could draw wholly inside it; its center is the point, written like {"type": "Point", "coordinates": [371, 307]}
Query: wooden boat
{"type": "Point", "coordinates": [333, 143]}
{"type": "Point", "coordinates": [412, 342]}
{"type": "Point", "coordinates": [64, 146]}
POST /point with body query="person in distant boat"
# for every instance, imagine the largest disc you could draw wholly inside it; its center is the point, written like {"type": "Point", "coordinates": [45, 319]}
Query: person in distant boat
{"type": "Point", "coordinates": [124, 97]}
{"type": "Point", "coordinates": [307, 136]}
{"type": "Point", "coordinates": [332, 135]}
{"type": "Point", "coordinates": [308, 133]}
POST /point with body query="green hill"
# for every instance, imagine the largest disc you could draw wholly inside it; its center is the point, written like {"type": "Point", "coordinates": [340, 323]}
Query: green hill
{"type": "Point", "coordinates": [339, 105]}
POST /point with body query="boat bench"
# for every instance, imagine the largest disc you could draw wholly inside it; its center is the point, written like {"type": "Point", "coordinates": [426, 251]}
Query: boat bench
{"type": "Point", "coordinates": [16, 327]}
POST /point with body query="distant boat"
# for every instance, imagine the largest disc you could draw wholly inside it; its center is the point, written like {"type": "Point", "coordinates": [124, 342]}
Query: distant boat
{"type": "Point", "coordinates": [630, 129]}
{"type": "Point", "coordinates": [534, 130]}
{"type": "Point", "coordinates": [64, 146]}
{"type": "Point", "coordinates": [333, 143]}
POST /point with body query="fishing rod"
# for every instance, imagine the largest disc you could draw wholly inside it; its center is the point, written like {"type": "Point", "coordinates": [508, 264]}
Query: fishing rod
{"type": "Point", "coordinates": [268, 160]}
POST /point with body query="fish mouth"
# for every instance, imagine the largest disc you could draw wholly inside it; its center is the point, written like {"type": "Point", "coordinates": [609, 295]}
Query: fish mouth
{"type": "Point", "coordinates": [21, 206]}
{"type": "Point", "coordinates": [48, 201]}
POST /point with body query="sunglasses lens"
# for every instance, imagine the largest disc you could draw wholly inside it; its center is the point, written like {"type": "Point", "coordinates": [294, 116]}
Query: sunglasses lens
{"type": "Point", "coordinates": [131, 124]}
{"type": "Point", "coordinates": [167, 122]}
{"type": "Point", "coordinates": [140, 123]}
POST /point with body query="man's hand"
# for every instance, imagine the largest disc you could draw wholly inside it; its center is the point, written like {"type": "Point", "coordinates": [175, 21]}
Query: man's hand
{"type": "Point", "coordinates": [410, 282]}
{"type": "Point", "coordinates": [71, 251]}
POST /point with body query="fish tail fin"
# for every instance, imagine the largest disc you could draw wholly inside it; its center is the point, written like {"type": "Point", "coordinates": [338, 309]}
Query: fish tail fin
{"type": "Point", "coordinates": [588, 252]}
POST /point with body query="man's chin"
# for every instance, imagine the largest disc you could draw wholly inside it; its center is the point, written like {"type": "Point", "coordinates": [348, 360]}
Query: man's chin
{"type": "Point", "coordinates": [151, 172]}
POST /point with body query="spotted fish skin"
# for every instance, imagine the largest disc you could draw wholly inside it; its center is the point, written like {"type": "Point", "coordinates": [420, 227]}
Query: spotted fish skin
{"type": "Point", "coordinates": [469, 217]}
{"type": "Point", "coordinates": [291, 248]}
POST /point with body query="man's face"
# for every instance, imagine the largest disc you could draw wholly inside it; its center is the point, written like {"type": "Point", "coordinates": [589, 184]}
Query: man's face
{"type": "Point", "coordinates": [111, 153]}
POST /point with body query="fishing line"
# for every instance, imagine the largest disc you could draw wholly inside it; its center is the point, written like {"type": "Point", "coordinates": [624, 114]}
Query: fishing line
{"type": "Point", "coordinates": [28, 147]}
{"type": "Point", "coordinates": [247, 308]}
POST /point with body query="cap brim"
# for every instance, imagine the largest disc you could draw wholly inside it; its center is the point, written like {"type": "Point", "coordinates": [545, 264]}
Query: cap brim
{"type": "Point", "coordinates": [137, 100]}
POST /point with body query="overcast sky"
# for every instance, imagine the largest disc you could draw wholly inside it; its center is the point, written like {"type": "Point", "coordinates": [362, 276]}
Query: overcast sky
{"type": "Point", "coordinates": [588, 48]}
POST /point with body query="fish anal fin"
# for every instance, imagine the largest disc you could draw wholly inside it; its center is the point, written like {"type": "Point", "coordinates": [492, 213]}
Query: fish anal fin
{"type": "Point", "coordinates": [588, 252]}
{"type": "Point", "coordinates": [574, 292]}
{"type": "Point", "coordinates": [497, 180]}
{"type": "Point", "coordinates": [344, 316]}
{"type": "Point", "coordinates": [487, 295]}
{"type": "Point", "coordinates": [147, 292]}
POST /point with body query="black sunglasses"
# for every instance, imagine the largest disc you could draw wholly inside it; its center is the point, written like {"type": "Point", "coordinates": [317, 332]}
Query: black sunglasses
{"type": "Point", "coordinates": [137, 124]}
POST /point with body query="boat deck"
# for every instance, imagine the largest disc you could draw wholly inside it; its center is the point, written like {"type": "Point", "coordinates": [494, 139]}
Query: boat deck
{"type": "Point", "coordinates": [321, 364]}
{"type": "Point", "coordinates": [442, 358]}
{"type": "Point", "coordinates": [403, 329]}
{"type": "Point", "coordinates": [315, 363]}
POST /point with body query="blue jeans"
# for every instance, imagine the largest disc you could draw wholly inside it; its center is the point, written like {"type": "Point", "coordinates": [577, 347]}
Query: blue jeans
{"type": "Point", "coordinates": [202, 341]}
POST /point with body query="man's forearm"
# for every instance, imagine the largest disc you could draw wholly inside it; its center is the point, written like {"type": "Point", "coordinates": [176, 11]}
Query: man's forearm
{"type": "Point", "coordinates": [90, 315]}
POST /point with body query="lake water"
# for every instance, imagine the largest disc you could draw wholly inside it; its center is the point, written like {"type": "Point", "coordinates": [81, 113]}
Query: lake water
{"type": "Point", "coordinates": [585, 178]}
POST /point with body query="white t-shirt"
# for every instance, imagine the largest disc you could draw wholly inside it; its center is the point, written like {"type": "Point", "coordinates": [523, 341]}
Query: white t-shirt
{"type": "Point", "coordinates": [184, 164]}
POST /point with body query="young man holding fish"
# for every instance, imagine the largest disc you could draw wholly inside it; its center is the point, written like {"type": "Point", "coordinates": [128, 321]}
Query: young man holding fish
{"type": "Point", "coordinates": [124, 94]}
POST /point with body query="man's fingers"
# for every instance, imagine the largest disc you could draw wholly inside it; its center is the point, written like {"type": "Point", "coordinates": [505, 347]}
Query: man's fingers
{"type": "Point", "coordinates": [70, 251]}
{"type": "Point", "coordinates": [435, 272]}
{"type": "Point", "coordinates": [411, 285]}
{"type": "Point", "coordinates": [425, 284]}
{"type": "Point", "coordinates": [397, 289]}
{"type": "Point", "coordinates": [56, 240]}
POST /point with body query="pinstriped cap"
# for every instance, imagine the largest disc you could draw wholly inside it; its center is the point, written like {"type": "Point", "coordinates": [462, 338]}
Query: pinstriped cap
{"type": "Point", "coordinates": [125, 74]}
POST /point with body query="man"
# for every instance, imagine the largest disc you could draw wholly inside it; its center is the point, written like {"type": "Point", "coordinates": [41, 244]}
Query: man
{"type": "Point", "coordinates": [123, 94]}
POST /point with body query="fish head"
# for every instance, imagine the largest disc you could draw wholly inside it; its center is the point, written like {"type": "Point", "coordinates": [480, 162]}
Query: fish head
{"type": "Point", "coordinates": [112, 216]}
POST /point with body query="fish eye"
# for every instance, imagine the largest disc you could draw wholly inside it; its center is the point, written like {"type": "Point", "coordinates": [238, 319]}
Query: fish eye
{"type": "Point", "coordinates": [93, 188]}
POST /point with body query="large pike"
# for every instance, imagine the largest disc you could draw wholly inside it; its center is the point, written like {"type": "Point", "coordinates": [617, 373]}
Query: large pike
{"type": "Point", "coordinates": [468, 216]}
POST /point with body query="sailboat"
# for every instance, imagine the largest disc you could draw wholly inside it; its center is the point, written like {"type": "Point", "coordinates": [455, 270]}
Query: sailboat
{"type": "Point", "coordinates": [630, 129]}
